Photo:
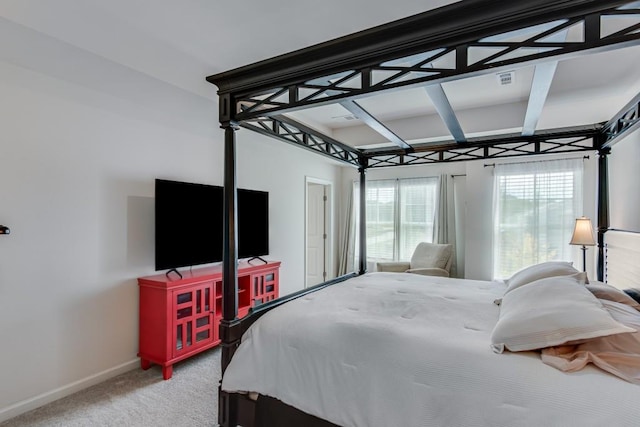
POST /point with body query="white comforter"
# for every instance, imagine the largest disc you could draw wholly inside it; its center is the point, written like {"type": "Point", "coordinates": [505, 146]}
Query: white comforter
{"type": "Point", "coordinates": [395, 349]}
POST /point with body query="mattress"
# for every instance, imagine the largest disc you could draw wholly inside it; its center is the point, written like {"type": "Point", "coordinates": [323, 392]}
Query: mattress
{"type": "Point", "coordinates": [396, 349]}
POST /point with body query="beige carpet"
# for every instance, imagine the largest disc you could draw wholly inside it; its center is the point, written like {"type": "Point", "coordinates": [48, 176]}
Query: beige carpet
{"type": "Point", "coordinates": [139, 398]}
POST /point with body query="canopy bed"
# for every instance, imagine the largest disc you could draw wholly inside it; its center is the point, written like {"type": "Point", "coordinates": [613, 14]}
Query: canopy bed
{"type": "Point", "coordinates": [408, 53]}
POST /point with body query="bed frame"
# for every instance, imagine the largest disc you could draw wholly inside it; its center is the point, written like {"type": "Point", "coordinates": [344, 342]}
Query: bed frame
{"type": "Point", "coordinates": [622, 252]}
{"type": "Point", "coordinates": [257, 96]}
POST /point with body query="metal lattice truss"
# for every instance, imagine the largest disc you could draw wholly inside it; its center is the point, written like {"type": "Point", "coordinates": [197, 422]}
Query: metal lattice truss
{"type": "Point", "coordinates": [623, 123]}
{"type": "Point", "coordinates": [486, 54]}
{"type": "Point", "coordinates": [550, 142]}
{"type": "Point", "coordinates": [562, 142]}
{"type": "Point", "coordinates": [466, 39]}
{"type": "Point", "coordinates": [290, 131]}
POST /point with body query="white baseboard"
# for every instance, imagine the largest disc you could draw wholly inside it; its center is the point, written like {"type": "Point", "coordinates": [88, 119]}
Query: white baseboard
{"type": "Point", "coordinates": [66, 390]}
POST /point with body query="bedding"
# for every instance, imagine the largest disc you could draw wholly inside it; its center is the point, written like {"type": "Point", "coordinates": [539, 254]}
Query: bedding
{"type": "Point", "coordinates": [551, 311]}
{"type": "Point", "coordinates": [391, 349]}
{"type": "Point", "coordinates": [617, 354]}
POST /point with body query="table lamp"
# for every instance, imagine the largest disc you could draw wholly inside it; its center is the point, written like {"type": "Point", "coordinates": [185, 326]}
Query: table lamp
{"type": "Point", "coordinates": [583, 235]}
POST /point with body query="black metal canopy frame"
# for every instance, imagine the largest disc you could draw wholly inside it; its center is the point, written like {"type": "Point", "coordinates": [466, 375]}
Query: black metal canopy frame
{"type": "Point", "coordinates": [465, 39]}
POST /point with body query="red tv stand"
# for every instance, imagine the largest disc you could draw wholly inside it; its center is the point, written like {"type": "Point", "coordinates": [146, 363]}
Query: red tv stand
{"type": "Point", "coordinates": [180, 317]}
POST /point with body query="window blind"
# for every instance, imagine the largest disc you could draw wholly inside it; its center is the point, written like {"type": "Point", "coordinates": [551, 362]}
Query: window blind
{"type": "Point", "coordinates": [417, 211]}
{"type": "Point", "coordinates": [381, 214]}
{"type": "Point", "coordinates": [400, 214]}
{"type": "Point", "coordinates": [535, 206]}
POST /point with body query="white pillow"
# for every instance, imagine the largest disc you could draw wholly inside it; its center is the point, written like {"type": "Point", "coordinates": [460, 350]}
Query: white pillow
{"type": "Point", "coordinates": [607, 292]}
{"type": "Point", "coordinates": [540, 271]}
{"type": "Point", "coordinates": [552, 311]}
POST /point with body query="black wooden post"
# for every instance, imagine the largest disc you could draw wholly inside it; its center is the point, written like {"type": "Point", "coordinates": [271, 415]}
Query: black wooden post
{"type": "Point", "coordinates": [230, 233]}
{"type": "Point", "coordinates": [229, 325]}
{"type": "Point", "coordinates": [363, 221]}
{"type": "Point", "coordinates": [603, 206]}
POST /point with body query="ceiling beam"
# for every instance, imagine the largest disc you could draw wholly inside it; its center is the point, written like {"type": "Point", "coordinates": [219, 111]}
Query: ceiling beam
{"type": "Point", "coordinates": [437, 95]}
{"type": "Point", "coordinates": [357, 110]}
{"type": "Point", "coordinates": [542, 78]}
{"type": "Point", "coordinates": [444, 109]}
{"type": "Point", "coordinates": [540, 86]}
{"type": "Point", "coordinates": [368, 119]}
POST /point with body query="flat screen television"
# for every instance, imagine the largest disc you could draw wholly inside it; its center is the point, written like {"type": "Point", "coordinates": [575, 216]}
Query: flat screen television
{"type": "Point", "coordinates": [189, 224]}
{"type": "Point", "coordinates": [253, 223]}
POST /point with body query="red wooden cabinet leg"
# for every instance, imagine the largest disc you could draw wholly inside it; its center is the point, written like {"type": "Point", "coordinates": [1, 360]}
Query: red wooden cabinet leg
{"type": "Point", "coordinates": [167, 371]}
{"type": "Point", "coordinates": [145, 364]}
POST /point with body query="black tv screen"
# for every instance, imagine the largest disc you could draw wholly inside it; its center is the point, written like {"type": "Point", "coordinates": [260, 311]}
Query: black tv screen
{"type": "Point", "coordinates": [189, 223]}
{"type": "Point", "coordinates": [253, 223]}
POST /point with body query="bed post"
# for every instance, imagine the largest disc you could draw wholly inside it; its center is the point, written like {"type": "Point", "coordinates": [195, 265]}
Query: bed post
{"type": "Point", "coordinates": [229, 325]}
{"type": "Point", "coordinates": [603, 204]}
{"type": "Point", "coordinates": [363, 217]}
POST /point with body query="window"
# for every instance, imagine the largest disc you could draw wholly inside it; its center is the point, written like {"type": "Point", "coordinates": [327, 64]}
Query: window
{"type": "Point", "coordinates": [400, 214]}
{"type": "Point", "coordinates": [535, 207]}
{"type": "Point", "coordinates": [381, 212]}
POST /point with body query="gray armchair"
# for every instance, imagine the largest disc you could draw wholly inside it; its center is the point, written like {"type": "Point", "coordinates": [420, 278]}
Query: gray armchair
{"type": "Point", "coordinates": [429, 259]}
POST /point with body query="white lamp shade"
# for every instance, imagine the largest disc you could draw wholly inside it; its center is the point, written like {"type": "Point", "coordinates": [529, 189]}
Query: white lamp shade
{"type": "Point", "coordinates": [583, 233]}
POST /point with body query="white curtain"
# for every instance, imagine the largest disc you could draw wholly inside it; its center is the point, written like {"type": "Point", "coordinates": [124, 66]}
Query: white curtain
{"type": "Point", "coordinates": [444, 229]}
{"type": "Point", "coordinates": [535, 207]}
{"type": "Point", "coordinates": [346, 252]}
{"type": "Point", "coordinates": [441, 224]}
{"type": "Point", "coordinates": [460, 213]}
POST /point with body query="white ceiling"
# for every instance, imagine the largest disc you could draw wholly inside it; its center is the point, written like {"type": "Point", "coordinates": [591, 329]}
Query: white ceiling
{"type": "Point", "coordinates": [181, 42]}
{"type": "Point", "coordinates": [584, 91]}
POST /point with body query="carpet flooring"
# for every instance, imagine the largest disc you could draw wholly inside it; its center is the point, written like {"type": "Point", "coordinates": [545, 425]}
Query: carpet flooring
{"type": "Point", "coordinates": [139, 399]}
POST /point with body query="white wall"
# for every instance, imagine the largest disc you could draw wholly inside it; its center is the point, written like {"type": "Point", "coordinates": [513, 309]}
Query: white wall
{"type": "Point", "coordinates": [624, 176]}
{"type": "Point", "coordinates": [479, 204]}
{"type": "Point", "coordinates": [82, 141]}
{"type": "Point", "coordinates": [268, 164]}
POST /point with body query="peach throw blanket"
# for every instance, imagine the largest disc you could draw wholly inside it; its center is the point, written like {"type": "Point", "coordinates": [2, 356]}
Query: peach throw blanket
{"type": "Point", "coordinates": [618, 354]}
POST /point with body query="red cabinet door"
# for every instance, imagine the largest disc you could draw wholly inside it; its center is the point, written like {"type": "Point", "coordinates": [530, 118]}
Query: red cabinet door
{"type": "Point", "coordinates": [264, 287]}
{"type": "Point", "coordinates": [193, 318]}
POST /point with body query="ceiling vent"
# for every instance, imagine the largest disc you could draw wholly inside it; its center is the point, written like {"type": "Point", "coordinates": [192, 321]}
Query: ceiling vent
{"type": "Point", "coordinates": [506, 78]}
{"type": "Point", "coordinates": [347, 117]}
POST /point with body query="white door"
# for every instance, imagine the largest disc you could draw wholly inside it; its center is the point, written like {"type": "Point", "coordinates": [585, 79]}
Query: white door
{"type": "Point", "coordinates": [316, 234]}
